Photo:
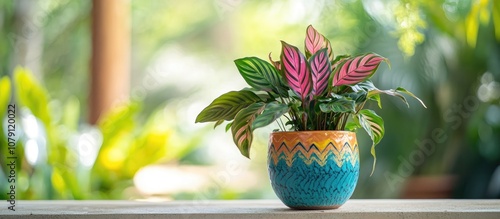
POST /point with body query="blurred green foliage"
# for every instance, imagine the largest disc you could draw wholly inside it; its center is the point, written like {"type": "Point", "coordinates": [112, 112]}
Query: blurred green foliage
{"type": "Point", "coordinates": [63, 164]}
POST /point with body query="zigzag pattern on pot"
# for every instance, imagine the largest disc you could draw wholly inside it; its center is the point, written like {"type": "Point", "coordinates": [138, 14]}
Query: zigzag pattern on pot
{"type": "Point", "coordinates": [303, 185]}
{"type": "Point", "coordinates": [322, 148]}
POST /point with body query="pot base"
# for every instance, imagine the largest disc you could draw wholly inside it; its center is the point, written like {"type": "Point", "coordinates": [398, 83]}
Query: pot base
{"type": "Point", "coordinates": [315, 207]}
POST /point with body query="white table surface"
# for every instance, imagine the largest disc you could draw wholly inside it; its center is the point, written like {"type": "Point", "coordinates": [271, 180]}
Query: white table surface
{"type": "Point", "coordinates": [261, 209]}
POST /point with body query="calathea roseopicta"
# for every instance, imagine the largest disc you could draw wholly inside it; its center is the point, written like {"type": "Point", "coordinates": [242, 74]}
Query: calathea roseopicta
{"type": "Point", "coordinates": [311, 91]}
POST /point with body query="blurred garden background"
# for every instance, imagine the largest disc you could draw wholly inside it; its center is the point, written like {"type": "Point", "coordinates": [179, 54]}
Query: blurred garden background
{"type": "Point", "coordinates": [107, 93]}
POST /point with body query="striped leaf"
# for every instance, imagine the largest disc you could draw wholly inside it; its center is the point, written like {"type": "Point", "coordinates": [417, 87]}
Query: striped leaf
{"type": "Point", "coordinates": [315, 42]}
{"type": "Point", "coordinates": [389, 92]}
{"type": "Point", "coordinates": [364, 86]}
{"type": "Point", "coordinates": [352, 124]}
{"type": "Point", "coordinates": [402, 90]}
{"type": "Point", "coordinates": [338, 106]}
{"type": "Point", "coordinates": [338, 60]}
{"type": "Point", "coordinates": [320, 72]}
{"type": "Point", "coordinates": [328, 45]}
{"type": "Point", "coordinates": [374, 126]}
{"type": "Point", "coordinates": [227, 106]}
{"type": "Point", "coordinates": [217, 123]}
{"type": "Point", "coordinates": [276, 64]}
{"type": "Point", "coordinates": [296, 70]}
{"type": "Point", "coordinates": [273, 111]}
{"type": "Point", "coordinates": [377, 99]}
{"type": "Point", "coordinates": [358, 97]}
{"type": "Point", "coordinates": [374, 93]}
{"type": "Point", "coordinates": [260, 75]}
{"type": "Point", "coordinates": [357, 69]}
{"type": "Point", "coordinates": [241, 127]}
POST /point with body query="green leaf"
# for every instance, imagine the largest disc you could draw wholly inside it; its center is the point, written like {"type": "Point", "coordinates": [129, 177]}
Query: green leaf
{"type": "Point", "coordinates": [472, 24]}
{"type": "Point", "coordinates": [368, 87]}
{"type": "Point", "coordinates": [358, 97]}
{"type": "Point", "coordinates": [374, 126]}
{"type": "Point", "coordinates": [118, 120]}
{"type": "Point", "coordinates": [228, 126]}
{"type": "Point", "coordinates": [373, 92]}
{"type": "Point", "coordinates": [227, 106]}
{"type": "Point", "coordinates": [400, 89]}
{"type": "Point", "coordinates": [376, 98]}
{"type": "Point", "coordinates": [496, 18]}
{"type": "Point", "coordinates": [272, 111]}
{"type": "Point", "coordinates": [365, 85]}
{"type": "Point", "coordinates": [241, 128]}
{"type": "Point", "coordinates": [218, 123]}
{"type": "Point", "coordinates": [261, 75]}
{"type": "Point", "coordinates": [5, 91]}
{"type": "Point", "coordinates": [352, 124]}
{"type": "Point", "coordinates": [71, 113]}
{"type": "Point", "coordinates": [390, 92]}
{"type": "Point", "coordinates": [32, 94]}
{"type": "Point", "coordinates": [338, 106]}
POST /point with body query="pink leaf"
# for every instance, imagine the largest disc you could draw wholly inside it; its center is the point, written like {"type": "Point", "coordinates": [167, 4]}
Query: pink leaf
{"type": "Point", "coordinates": [315, 42]}
{"type": "Point", "coordinates": [320, 71]}
{"type": "Point", "coordinates": [357, 69]}
{"type": "Point", "coordinates": [294, 66]}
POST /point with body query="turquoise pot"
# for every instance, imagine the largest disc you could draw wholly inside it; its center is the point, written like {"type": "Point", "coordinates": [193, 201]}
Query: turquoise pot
{"type": "Point", "coordinates": [313, 169]}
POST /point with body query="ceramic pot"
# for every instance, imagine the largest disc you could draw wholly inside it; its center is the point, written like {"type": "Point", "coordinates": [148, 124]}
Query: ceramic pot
{"type": "Point", "coordinates": [313, 169]}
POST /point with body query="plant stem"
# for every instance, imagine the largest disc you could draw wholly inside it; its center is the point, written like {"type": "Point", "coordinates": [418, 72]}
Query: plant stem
{"type": "Point", "coordinates": [344, 122]}
{"type": "Point", "coordinates": [361, 107]}
{"type": "Point", "coordinates": [281, 126]}
{"type": "Point", "coordinates": [283, 100]}
{"type": "Point", "coordinates": [306, 114]}
{"type": "Point", "coordinates": [325, 121]}
{"type": "Point", "coordinates": [339, 122]}
{"type": "Point", "coordinates": [287, 117]}
{"type": "Point", "coordinates": [294, 118]}
{"type": "Point", "coordinates": [330, 117]}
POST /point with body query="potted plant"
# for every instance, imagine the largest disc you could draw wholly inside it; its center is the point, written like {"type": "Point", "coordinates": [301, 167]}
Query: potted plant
{"type": "Point", "coordinates": [317, 100]}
